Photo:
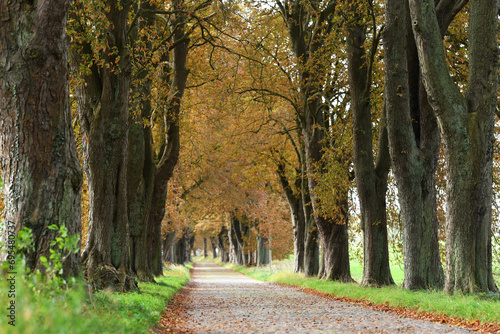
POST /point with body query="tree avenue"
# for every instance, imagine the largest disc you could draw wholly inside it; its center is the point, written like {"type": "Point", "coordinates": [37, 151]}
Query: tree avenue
{"type": "Point", "coordinates": [254, 130]}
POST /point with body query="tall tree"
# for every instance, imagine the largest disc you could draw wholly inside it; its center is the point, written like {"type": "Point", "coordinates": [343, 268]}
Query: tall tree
{"type": "Point", "coordinates": [309, 25]}
{"type": "Point", "coordinates": [370, 175]}
{"type": "Point", "coordinates": [103, 108]}
{"type": "Point", "coordinates": [467, 124]}
{"type": "Point", "coordinates": [415, 141]}
{"type": "Point", "coordinates": [169, 152]}
{"type": "Point", "coordinates": [37, 149]}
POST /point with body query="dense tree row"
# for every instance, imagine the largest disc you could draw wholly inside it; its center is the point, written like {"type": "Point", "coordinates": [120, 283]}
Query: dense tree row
{"type": "Point", "coordinates": [272, 114]}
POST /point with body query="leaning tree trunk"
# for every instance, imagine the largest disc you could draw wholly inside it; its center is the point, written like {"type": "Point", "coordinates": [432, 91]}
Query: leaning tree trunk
{"type": "Point", "coordinates": [467, 125]}
{"type": "Point", "coordinates": [294, 199]}
{"type": "Point", "coordinates": [371, 176]}
{"type": "Point", "coordinates": [40, 170]}
{"type": "Point", "coordinates": [170, 151]}
{"type": "Point", "coordinates": [103, 109]}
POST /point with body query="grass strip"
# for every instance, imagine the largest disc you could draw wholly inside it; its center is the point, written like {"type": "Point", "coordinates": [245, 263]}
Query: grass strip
{"type": "Point", "coordinates": [74, 311]}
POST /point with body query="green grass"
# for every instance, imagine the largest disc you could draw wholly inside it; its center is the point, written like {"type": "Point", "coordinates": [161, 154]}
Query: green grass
{"type": "Point", "coordinates": [74, 311]}
{"type": "Point", "coordinates": [485, 308]}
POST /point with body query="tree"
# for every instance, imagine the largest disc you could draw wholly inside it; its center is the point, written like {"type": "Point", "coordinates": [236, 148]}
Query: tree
{"type": "Point", "coordinates": [308, 27]}
{"type": "Point", "coordinates": [38, 157]}
{"type": "Point", "coordinates": [370, 175]}
{"type": "Point", "coordinates": [467, 125]}
{"type": "Point", "coordinates": [103, 108]}
{"type": "Point", "coordinates": [169, 152]}
{"type": "Point", "coordinates": [414, 144]}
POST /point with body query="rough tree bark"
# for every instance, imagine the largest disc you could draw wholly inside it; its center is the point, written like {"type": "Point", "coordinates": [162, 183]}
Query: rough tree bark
{"type": "Point", "coordinates": [466, 122]}
{"type": "Point", "coordinates": [370, 175]}
{"type": "Point", "coordinates": [103, 107]}
{"type": "Point", "coordinates": [415, 168]}
{"type": "Point", "coordinates": [38, 157]}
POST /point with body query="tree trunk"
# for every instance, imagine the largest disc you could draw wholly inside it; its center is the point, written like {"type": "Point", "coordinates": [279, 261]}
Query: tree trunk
{"type": "Point", "coordinates": [180, 249]}
{"type": "Point", "coordinates": [467, 125]}
{"type": "Point", "coordinates": [237, 245]}
{"type": "Point", "coordinates": [170, 152]}
{"type": "Point", "coordinates": [371, 177]}
{"type": "Point", "coordinates": [40, 170]}
{"type": "Point", "coordinates": [333, 229]}
{"type": "Point", "coordinates": [141, 168]}
{"type": "Point", "coordinates": [262, 251]}
{"type": "Point", "coordinates": [414, 133]}
{"type": "Point", "coordinates": [191, 238]}
{"type": "Point", "coordinates": [221, 245]}
{"type": "Point", "coordinates": [168, 242]}
{"type": "Point", "coordinates": [214, 247]}
{"type": "Point", "coordinates": [205, 247]}
{"type": "Point", "coordinates": [103, 109]}
{"type": "Point", "coordinates": [294, 199]}
{"type": "Point", "coordinates": [311, 247]}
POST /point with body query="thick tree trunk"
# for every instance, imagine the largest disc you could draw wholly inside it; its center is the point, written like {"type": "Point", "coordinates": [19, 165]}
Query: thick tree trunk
{"type": "Point", "coordinates": [167, 247]}
{"type": "Point", "coordinates": [170, 153]}
{"type": "Point", "coordinates": [371, 178]}
{"type": "Point", "coordinates": [332, 230]}
{"type": "Point", "coordinates": [103, 109]}
{"type": "Point", "coordinates": [414, 133]}
{"type": "Point", "coordinates": [467, 126]}
{"type": "Point", "coordinates": [181, 249]}
{"type": "Point", "coordinates": [38, 157]}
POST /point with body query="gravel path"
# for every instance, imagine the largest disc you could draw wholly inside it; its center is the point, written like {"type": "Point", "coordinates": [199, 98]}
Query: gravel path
{"type": "Point", "coordinates": [219, 300]}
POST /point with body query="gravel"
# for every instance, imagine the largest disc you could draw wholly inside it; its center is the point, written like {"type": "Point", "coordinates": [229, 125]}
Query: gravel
{"type": "Point", "coordinates": [219, 300]}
